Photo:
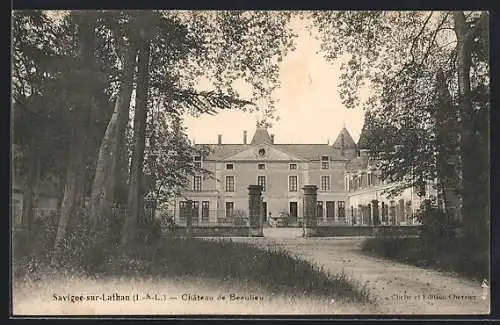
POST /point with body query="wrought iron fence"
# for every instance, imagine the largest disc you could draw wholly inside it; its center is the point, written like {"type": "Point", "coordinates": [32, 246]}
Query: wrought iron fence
{"type": "Point", "coordinates": [203, 218]}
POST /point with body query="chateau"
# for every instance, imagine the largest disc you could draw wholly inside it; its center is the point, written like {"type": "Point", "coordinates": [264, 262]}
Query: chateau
{"type": "Point", "coordinates": [349, 190]}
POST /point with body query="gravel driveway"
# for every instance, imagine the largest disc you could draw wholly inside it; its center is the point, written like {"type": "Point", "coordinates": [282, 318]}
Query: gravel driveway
{"type": "Point", "coordinates": [397, 288]}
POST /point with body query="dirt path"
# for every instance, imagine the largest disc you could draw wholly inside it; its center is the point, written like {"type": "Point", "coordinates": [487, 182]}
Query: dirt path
{"type": "Point", "coordinates": [398, 288]}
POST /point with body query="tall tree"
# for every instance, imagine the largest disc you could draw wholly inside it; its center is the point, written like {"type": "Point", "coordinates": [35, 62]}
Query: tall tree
{"type": "Point", "coordinates": [103, 186]}
{"type": "Point", "coordinates": [475, 215]}
{"type": "Point", "coordinates": [75, 171]}
{"type": "Point", "coordinates": [397, 54]}
{"type": "Point", "coordinates": [135, 204]}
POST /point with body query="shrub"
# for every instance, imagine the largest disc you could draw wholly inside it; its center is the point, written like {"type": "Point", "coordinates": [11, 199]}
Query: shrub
{"type": "Point", "coordinates": [436, 224]}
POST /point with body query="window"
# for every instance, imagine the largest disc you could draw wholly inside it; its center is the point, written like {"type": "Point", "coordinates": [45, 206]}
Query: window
{"type": "Point", "coordinates": [229, 183]}
{"type": "Point", "coordinates": [197, 183]}
{"type": "Point", "coordinates": [292, 183]}
{"type": "Point", "coordinates": [261, 166]}
{"type": "Point", "coordinates": [205, 206]}
{"type": "Point", "coordinates": [229, 166]}
{"type": "Point", "coordinates": [324, 162]}
{"type": "Point", "coordinates": [196, 211]}
{"type": "Point", "coordinates": [330, 209]}
{"type": "Point", "coordinates": [401, 211]}
{"type": "Point", "coordinates": [229, 209]}
{"type": "Point", "coordinates": [325, 183]}
{"type": "Point", "coordinates": [183, 211]}
{"type": "Point", "coordinates": [341, 210]}
{"type": "Point", "coordinates": [384, 213]}
{"type": "Point", "coordinates": [261, 180]}
{"type": "Point", "coordinates": [370, 179]}
{"type": "Point", "coordinates": [319, 210]}
{"type": "Point", "coordinates": [262, 152]}
{"type": "Point", "coordinates": [293, 166]}
{"type": "Point", "coordinates": [409, 212]}
{"type": "Point", "coordinates": [197, 161]}
{"type": "Point", "coordinates": [392, 212]}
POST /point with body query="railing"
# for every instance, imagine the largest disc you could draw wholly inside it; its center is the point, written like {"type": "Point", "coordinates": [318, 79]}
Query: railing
{"type": "Point", "coordinates": [204, 218]}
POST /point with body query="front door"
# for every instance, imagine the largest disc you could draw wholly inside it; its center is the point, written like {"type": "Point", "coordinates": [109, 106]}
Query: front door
{"type": "Point", "coordinates": [293, 209]}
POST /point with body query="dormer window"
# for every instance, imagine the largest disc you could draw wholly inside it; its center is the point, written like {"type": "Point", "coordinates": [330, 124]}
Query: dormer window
{"type": "Point", "coordinates": [324, 162]}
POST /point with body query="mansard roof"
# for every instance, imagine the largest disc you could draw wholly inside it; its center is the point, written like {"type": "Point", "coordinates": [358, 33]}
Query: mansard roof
{"type": "Point", "coordinates": [221, 151]}
{"type": "Point", "coordinates": [311, 151]}
{"type": "Point", "coordinates": [344, 140]}
{"type": "Point", "coordinates": [302, 151]}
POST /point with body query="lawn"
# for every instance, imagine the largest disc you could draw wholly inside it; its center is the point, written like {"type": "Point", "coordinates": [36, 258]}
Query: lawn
{"type": "Point", "coordinates": [205, 267]}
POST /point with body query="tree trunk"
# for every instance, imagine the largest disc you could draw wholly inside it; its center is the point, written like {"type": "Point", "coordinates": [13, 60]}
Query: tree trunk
{"type": "Point", "coordinates": [28, 197]}
{"type": "Point", "coordinates": [446, 145]}
{"type": "Point", "coordinates": [474, 211]}
{"type": "Point", "coordinates": [75, 171]}
{"type": "Point", "coordinates": [135, 195]}
{"type": "Point", "coordinates": [103, 185]}
{"type": "Point", "coordinates": [70, 193]}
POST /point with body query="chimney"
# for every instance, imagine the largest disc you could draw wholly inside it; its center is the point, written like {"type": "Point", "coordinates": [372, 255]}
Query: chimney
{"type": "Point", "coordinates": [272, 138]}
{"type": "Point", "coordinates": [364, 152]}
{"type": "Point", "coordinates": [245, 137]}
{"type": "Point", "coordinates": [219, 139]}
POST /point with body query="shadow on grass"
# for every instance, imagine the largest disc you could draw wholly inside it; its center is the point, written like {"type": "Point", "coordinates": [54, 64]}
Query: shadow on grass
{"type": "Point", "coordinates": [271, 269]}
{"type": "Point", "coordinates": [448, 255]}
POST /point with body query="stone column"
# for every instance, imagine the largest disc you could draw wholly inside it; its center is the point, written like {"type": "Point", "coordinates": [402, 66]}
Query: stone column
{"type": "Point", "coordinates": [255, 210]}
{"type": "Point", "coordinates": [310, 209]}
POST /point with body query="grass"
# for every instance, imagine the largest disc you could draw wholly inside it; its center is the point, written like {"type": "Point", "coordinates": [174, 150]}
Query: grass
{"type": "Point", "coordinates": [273, 269]}
{"type": "Point", "coordinates": [448, 255]}
{"type": "Point", "coordinates": [212, 261]}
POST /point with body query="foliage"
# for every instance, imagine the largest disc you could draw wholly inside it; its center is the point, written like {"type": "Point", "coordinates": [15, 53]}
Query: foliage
{"type": "Point", "coordinates": [242, 47]}
{"type": "Point", "coordinates": [436, 225]}
{"type": "Point", "coordinates": [396, 54]}
{"type": "Point", "coordinates": [52, 87]}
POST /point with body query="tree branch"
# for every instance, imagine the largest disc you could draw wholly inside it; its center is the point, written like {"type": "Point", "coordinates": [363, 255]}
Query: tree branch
{"type": "Point", "coordinates": [434, 34]}
{"type": "Point", "coordinates": [415, 39]}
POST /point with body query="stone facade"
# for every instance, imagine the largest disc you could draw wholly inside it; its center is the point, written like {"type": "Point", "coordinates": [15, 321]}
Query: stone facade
{"type": "Point", "coordinates": [283, 170]}
{"type": "Point", "coordinates": [368, 201]}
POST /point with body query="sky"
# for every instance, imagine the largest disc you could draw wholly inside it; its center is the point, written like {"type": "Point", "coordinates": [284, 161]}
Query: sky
{"type": "Point", "coordinates": [309, 105]}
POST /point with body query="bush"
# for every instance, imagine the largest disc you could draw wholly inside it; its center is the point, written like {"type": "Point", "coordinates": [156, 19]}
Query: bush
{"type": "Point", "coordinates": [436, 224]}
